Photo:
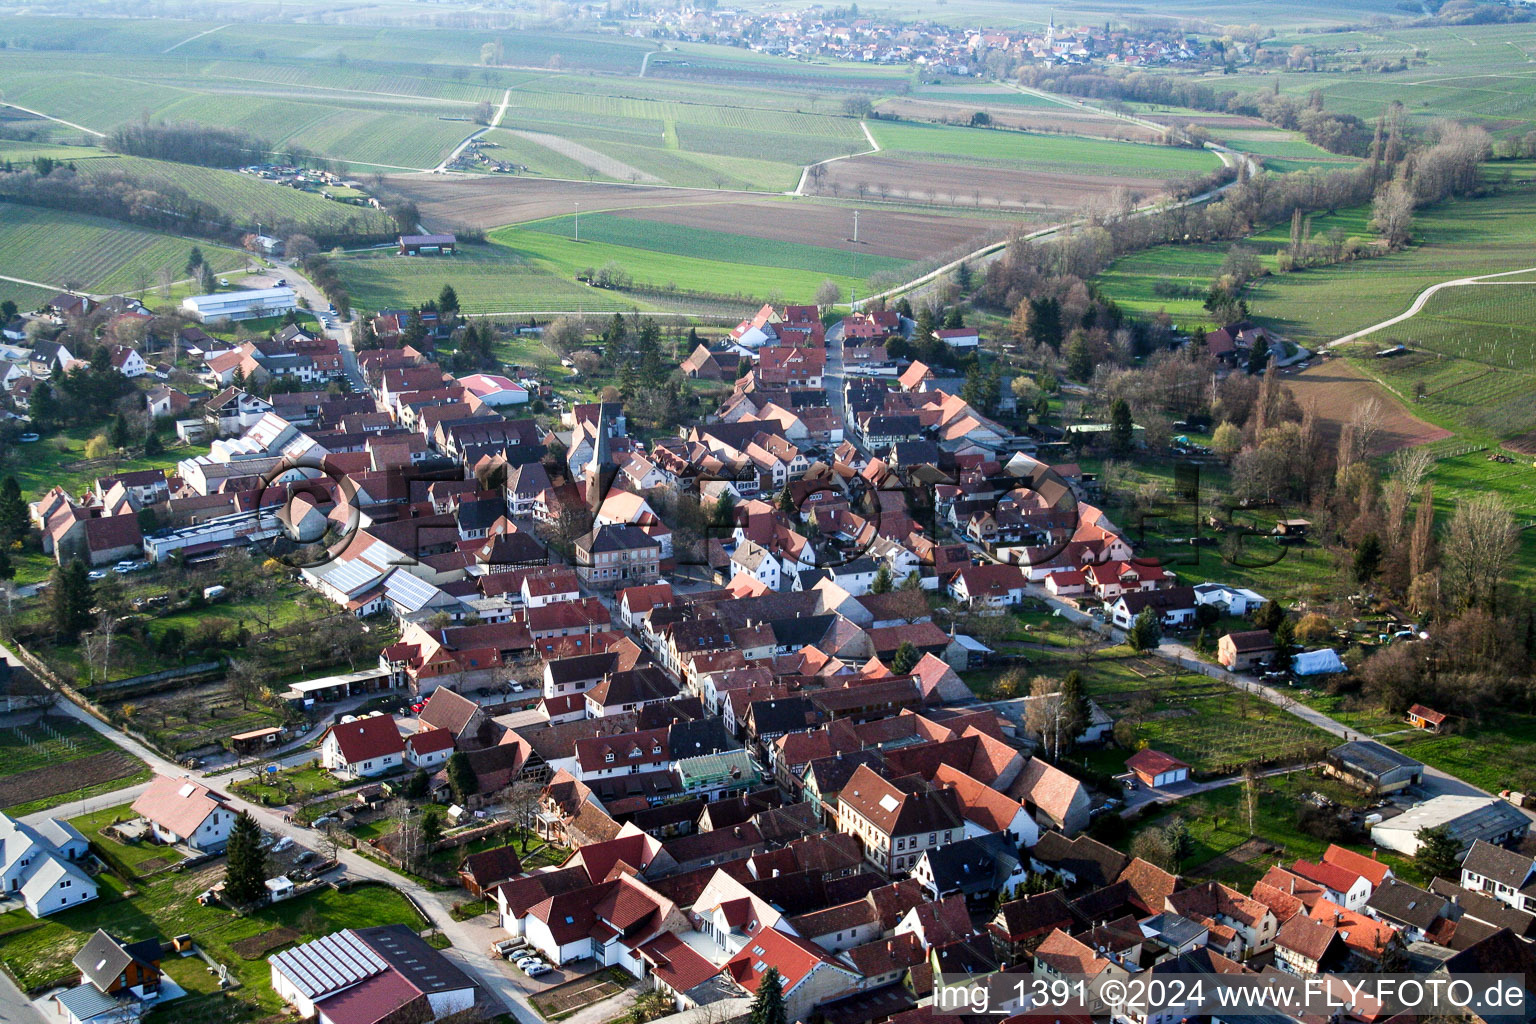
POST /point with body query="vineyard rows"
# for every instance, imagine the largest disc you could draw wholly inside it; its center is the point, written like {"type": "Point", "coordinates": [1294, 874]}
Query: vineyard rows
{"type": "Point", "coordinates": [249, 196]}
{"type": "Point", "coordinates": [102, 256]}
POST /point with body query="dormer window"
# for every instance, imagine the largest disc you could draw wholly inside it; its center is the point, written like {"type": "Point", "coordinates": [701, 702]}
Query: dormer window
{"type": "Point", "coordinates": [608, 757]}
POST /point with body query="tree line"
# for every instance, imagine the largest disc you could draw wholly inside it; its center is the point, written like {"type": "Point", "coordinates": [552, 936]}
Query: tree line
{"type": "Point", "coordinates": [159, 205]}
{"type": "Point", "coordinates": [1335, 132]}
{"type": "Point", "coordinates": [185, 142]}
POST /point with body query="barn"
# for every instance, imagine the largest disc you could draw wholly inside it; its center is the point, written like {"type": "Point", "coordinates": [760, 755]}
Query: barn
{"type": "Point", "coordinates": [417, 245]}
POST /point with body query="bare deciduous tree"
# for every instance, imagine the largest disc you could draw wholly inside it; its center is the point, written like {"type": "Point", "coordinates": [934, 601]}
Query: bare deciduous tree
{"type": "Point", "coordinates": [1479, 546]}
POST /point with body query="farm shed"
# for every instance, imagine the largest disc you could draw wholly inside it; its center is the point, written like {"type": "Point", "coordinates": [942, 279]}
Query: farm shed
{"type": "Point", "coordinates": [1428, 719]}
{"type": "Point", "coordinates": [416, 245]}
{"type": "Point", "coordinates": [1374, 767]}
{"type": "Point", "coordinates": [256, 740]}
{"type": "Point", "coordinates": [241, 305]}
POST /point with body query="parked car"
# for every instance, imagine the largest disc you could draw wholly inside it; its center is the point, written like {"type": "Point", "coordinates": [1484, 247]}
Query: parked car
{"type": "Point", "coordinates": [535, 969]}
{"type": "Point", "coordinates": [96, 575]}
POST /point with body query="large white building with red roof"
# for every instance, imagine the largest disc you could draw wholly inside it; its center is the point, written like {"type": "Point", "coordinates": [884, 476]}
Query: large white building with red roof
{"type": "Point", "coordinates": [362, 747]}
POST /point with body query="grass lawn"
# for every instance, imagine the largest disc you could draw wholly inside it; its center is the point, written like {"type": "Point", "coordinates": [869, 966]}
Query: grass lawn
{"type": "Point", "coordinates": [1218, 826]}
{"type": "Point", "coordinates": [37, 953]}
{"type": "Point", "coordinates": [59, 460]}
{"type": "Point", "coordinates": [1497, 754]}
{"type": "Point", "coordinates": [137, 858]}
{"type": "Point", "coordinates": [291, 785]}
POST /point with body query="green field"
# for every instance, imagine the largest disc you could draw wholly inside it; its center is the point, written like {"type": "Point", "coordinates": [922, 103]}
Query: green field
{"type": "Point", "coordinates": [1472, 361]}
{"type": "Point", "coordinates": [533, 268]}
{"type": "Point", "coordinates": [54, 247]}
{"type": "Point", "coordinates": [1474, 73]}
{"type": "Point", "coordinates": [345, 93]}
{"type": "Point", "coordinates": [1030, 151]}
{"type": "Point", "coordinates": [760, 268]}
{"type": "Point", "coordinates": [717, 246]}
{"type": "Point", "coordinates": [488, 279]}
{"type": "Point", "coordinates": [38, 953]}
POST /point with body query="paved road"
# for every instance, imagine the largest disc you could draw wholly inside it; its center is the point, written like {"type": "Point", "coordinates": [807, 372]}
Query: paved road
{"type": "Point", "coordinates": [469, 944]}
{"type": "Point", "coordinates": [335, 328]}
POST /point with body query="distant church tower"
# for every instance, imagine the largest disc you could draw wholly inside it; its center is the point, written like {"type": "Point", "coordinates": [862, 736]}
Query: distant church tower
{"type": "Point", "coordinates": [1050, 31]}
{"type": "Point", "coordinates": [600, 471]}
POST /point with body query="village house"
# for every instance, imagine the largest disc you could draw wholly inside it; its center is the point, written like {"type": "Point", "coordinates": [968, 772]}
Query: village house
{"type": "Point", "coordinates": [1245, 651]}
{"type": "Point", "coordinates": [180, 811]}
{"type": "Point", "coordinates": [362, 747]}
{"type": "Point", "coordinates": [41, 866]}
{"type": "Point", "coordinates": [896, 820]}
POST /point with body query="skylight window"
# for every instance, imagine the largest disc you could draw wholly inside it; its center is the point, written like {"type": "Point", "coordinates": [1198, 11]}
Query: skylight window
{"type": "Point", "coordinates": [888, 803]}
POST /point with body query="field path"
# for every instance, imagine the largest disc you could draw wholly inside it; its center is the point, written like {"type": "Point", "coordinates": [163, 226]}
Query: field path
{"type": "Point", "coordinates": [805, 173]}
{"type": "Point", "coordinates": [34, 284]}
{"type": "Point", "coordinates": [50, 117]}
{"type": "Point", "coordinates": [189, 39]}
{"type": "Point", "coordinates": [1068, 101]}
{"type": "Point", "coordinates": [1424, 296]}
{"type": "Point", "coordinates": [501, 112]}
{"type": "Point", "coordinates": [602, 163]}
{"type": "Point", "coordinates": [992, 250]}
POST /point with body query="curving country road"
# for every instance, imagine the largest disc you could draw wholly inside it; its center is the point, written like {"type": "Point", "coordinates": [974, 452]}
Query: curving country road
{"type": "Point", "coordinates": [993, 250]}
{"type": "Point", "coordinates": [1424, 296]}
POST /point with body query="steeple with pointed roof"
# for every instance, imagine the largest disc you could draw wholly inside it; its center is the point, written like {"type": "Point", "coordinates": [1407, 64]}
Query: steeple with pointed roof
{"type": "Point", "coordinates": [601, 471]}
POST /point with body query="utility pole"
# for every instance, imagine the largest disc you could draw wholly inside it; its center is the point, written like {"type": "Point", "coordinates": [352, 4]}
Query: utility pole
{"type": "Point", "coordinates": [855, 227]}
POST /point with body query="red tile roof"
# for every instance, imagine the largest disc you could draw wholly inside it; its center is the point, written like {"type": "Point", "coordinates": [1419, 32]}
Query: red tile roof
{"type": "Point", "coordinates": [1426, 714]}
{"type": "Point", "coordinates": [1153, 762]}
{"type": "Point", "coordinates": [430, 741]}
{"type": "Point", "coordinates": [1340, 880]}
{"type": "Point", "coordinates": [1374, 870]}
{"type": "Point", "coordinates": [374, 1000]}
{"type": "Point", "coordinates": [179, 805]}
{"type": "Point", "coordinates": [793, 956]}
{"type": "Point", "coordinates": [368, 738]}
{"type": "Point", "coordinates": [675, 963]}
